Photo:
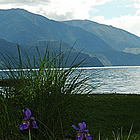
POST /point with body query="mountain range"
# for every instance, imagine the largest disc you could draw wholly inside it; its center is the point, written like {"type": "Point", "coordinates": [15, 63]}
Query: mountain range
{"type": "Point", "coordinates": [112, 46]}
{"type": "Point", "coordinates": [10, 49]}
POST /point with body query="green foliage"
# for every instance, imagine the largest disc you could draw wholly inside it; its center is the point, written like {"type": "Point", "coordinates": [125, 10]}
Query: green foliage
{"type": "Point", "coordinates": [111, 113]}
{"type": "Point", "coordinates": [42, 84]}
{"type": "Point", "coordinates": [51, 92]}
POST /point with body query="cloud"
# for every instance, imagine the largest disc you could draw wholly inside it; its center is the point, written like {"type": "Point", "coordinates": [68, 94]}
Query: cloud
{"type": "Point", "coordinates": [56, 9]}
{"type": "Point", "coordinates": [137, 1]}
{"type": "Point", "coordinates": [128, 22]}
{"type": "Point", "coordinates": [22, 1]}
{"type": "Point", "coordinates": [93, 2]}
{"type": "Point", "coordinates": [69, 9]}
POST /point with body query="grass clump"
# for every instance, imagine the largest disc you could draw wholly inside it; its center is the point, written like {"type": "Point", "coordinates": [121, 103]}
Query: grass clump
{"type": "Point", "coordinates": [43, 84]}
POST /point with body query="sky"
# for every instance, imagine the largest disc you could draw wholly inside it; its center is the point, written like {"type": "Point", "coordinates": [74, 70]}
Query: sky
{"type": "Point", "coordinates": [124, 14]}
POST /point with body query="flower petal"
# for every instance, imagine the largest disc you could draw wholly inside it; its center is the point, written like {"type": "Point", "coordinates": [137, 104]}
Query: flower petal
{"type": "Point", "coordinates": [28, 113]}
{"type": "Point", "coordinates": [21, 127]}
{"type": "Point", "coordinates": [79, 137]}
{"type": "Point", "coordinates": [24, 126]}
{"type": "Point", "coordinates": [75, 127]}
{"type": "Point", "coordinates": [88, 137]}
{"type": "Point", "coordinates": [34, 124]}
{"type": "Point", "coordinates": [82, 126]}
{"type": "Point", "coordinates": [23, 113]}
{"type": "Point", "coordinates": [32, 118]}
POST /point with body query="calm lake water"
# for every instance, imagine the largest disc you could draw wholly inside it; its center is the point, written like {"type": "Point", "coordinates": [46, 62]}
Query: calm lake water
{"type": "Point", "coordinates": [117, 79]}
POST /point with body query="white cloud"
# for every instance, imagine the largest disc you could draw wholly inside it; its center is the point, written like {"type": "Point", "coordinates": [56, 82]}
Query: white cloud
{"type": "Point", "coordinates": [56, 9]}
{"type": "Point", "coordinates": [136, 5]}
{"type": "Point", "coordinates": [22, 1]}
{"type": "Point", "coordinates": [128, 22]}
{"type": "Point", "coordinates": [69, 9]}
{"type": "Point", "coordinates": [136, 1]}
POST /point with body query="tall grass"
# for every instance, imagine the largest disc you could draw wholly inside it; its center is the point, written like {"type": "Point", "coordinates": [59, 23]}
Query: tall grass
{"type": "Point", "coordinates": [52, 92]}
{"type": "Point", "coordinates": [43, 84]}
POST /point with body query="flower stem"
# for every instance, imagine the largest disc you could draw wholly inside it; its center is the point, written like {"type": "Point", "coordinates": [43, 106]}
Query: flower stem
{"type": "Point", "coordinates": [29, 131]}
{"type": "Point", "coordinates": [83, 137]}
{"type": "Point", "coordinates": [29, 134]}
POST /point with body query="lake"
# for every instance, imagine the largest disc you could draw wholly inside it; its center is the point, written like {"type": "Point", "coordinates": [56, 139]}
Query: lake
{"type": "Point", "coordinates": [117, 79]}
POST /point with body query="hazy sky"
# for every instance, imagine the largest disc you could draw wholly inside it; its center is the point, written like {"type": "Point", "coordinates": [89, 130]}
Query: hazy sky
{"type": "Point", "coordinates": [124, 14]}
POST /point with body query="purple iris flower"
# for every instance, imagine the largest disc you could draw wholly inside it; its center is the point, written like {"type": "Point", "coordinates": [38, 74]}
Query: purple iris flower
{"type": "Point", "coordinates": [82, 133]}
{"type": "Point", "coordinates": [26, 121]}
